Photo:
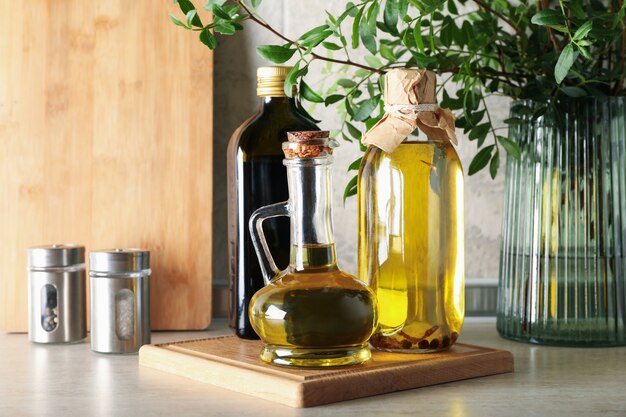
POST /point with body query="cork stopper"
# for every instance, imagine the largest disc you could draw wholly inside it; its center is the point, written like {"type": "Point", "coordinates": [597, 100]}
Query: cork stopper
{"type": "Point", "coordinates": [311, 144]}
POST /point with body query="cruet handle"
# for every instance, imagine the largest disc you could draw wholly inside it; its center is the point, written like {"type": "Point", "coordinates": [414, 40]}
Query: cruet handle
{"type": "Point", "coordinates": [268, 266]}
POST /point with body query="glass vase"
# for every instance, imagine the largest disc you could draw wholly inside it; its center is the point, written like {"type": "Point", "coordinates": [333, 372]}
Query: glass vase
{"type": "Point", "coordinates": [562, 260]}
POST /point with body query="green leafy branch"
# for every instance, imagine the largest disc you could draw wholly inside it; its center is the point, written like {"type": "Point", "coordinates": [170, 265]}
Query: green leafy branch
{"type": "Point", "coordinates": [541, 50]}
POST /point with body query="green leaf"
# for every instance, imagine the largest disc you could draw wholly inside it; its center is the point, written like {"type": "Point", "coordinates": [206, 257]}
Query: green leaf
{"type": "Point", "coordinates": [387, 53]}
{"type": "Point", "coordinates": [290, 79]}
{"type": "Point", "coordinates": [309, 94]}
{"type": "Point", "coordinates": [403, 7]}
{"type": "Point", "coordinates": [583, 51]}
{"type": "Point", "coordinates": [207, 38]}
{"type": "Point", "coordinates": [356, 23]}
{"type": "Point", "coordinates": [494, 165]}
{"type": "Point", "coordinates": [225, 28]}
{"type": "Point", "coordinates": [293, 75]}
{"type": "Point", "coordinates": [314, 31]}
{"type": "Point", "coordinates": [331, 46]}
{"type": "Point", "coordinates": [255, 3]}
{"type": "Point", "coordinates": [367, 29]}
{"type": "Point", "coordinates": [390, 15]}
{"type": "Point", "coordinates": [186, 7]}
{"type": "Point", "coordinates": [373, 61]}
{"type": "Point", "coordinates": [210, 3]}
{"type": "Point", "coordinates": [346, 82]}
{"type": "Point", "coordinates": [452, 8]}
{"type": "Point", "coordinates": [316, 38]}
{"type": "Point", "coordinates": [178, 22]}
{"type": "Point", "coordinates": [275, 53]}
{"type": "Point", "coordinates": [351, 188]}
{"type": "Point", "coordinates": [548, 18]}
{"type": "Point", "coordinates": [350, 10]}
{"type": "Point", "coordinates": [577, 10]}
{"type": "Point", "coordinates": [303, 111]}
{"type": "Point", "coordinates": [366, 107]}
{"type": "Point", "coordinates": [349, 108]}
{"type": "Point", "coordinates": [565, 62]}
{"type": "Point", "coordinates": [574, 91]}
{"type": "Point", "coordinates": [480, 131]}
{"type": "Point", "coordinates": [355, 165]}
{"type": "Point", "coordinates": [219, 12]}
{"type": "Point", "coordinates": [333, 99]}
{"type": "Point", "coordinates": [331, 18]}
{"type": "Point", "coordinates": [510, 147]}
{"type": "Point", "coordinates": [354, 132]}
{"type": "Point", "coordinates": [189, 16]}
{"type": "Point", "coordinates": [424, 61]}
{"type": "Point", "coordinates": [480, 160]}
{"type": "Point", "coordinates": [583, 31]}
{"type": "Point", "coordinates": [512, 120]}
{"type": "Point", "coordinates": [417, 35]}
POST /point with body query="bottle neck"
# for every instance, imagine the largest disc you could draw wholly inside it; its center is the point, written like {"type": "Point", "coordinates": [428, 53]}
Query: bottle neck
{"type": "Point", "coordinates": [310, 200]}
{"type": "Point", "coordinates": [270, 104]}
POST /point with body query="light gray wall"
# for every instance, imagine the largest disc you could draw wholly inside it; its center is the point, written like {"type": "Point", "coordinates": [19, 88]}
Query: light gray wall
{"type": "Point", "coordinates": [234, 86]}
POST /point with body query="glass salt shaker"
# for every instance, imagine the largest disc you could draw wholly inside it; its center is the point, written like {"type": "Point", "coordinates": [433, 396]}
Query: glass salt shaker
{"type": "Point", "coordinates": [120, 300]}
{"type": "Point", "coordinates": [56, 294]}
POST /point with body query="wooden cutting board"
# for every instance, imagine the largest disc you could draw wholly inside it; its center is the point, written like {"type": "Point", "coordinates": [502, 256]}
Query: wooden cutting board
{"type": "Point", "coordinates": [106, 140]}
{"type": "Point", "coordinates": [234, 364]}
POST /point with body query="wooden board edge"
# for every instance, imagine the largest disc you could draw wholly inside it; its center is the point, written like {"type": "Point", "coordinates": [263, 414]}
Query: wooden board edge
{"type": "Point", "coordinates": [240, 380]}
{"type": "Point", "coordinates": [380, 381]}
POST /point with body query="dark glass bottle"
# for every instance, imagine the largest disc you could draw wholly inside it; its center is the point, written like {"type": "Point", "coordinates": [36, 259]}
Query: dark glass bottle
{"type": "Point", "coordinates": [256, 178]}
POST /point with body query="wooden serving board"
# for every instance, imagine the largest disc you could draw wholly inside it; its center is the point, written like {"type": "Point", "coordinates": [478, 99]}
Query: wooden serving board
{"type": "Point", "coordinates": [105, 140]}
{"type": "Point", "coordinates": [234, 364]}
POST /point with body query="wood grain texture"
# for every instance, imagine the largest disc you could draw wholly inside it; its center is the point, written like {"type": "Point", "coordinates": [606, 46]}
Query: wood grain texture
{"type": "Point", "coordinates": [106, 140]}
{"type": "Point", "coordinates": [233, 363]}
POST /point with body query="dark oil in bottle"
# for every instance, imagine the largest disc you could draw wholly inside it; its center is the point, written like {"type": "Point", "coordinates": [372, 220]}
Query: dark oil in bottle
{"type": "Point", "coordinates": [257, 177]}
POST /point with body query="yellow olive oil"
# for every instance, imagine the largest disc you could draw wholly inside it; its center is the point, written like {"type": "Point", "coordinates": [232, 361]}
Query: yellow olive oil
{"type": "Point", "coordinates": [411, 244]}
{"type": "Point", "coordinates": [315, 315]}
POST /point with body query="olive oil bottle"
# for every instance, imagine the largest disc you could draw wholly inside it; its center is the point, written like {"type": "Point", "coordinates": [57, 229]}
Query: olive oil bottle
{"type": "Point", "coordinates": [311, 314]}
{"type": "Point", "coordinates": [257, 177]}
{"type": "Point", "coordinates": [410, 217]}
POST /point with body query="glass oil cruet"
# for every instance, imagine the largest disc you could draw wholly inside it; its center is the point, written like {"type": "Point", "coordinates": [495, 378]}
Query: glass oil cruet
{"type": "Point", "coordinates": [311, 314]}
{"type": "Point", "coordinates": [411, 218]}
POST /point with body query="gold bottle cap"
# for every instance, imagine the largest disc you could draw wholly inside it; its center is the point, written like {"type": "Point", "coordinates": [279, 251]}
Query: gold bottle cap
{"type": "Point", "coordinates": [271, 81]}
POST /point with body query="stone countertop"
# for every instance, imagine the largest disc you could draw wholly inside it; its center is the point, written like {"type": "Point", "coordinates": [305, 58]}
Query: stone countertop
{"type": "Point", "coordinates": [68, 380]}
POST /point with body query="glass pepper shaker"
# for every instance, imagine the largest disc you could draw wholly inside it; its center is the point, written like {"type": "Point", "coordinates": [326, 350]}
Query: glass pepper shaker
{"type": "Point", "coordinates": [312, 314]}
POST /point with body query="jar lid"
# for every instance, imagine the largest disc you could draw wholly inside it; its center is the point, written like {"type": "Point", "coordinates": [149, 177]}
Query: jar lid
{"type": "Point", "coordinates": [119, 260]}
{"type": "Point", "coordinates": [56, 256]}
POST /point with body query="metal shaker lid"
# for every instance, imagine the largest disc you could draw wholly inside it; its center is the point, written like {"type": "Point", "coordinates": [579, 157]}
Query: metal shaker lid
{"type": "Point", "coordinates": [119, 260]}
{"type": "Point", "coordinates": [55, 256]}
